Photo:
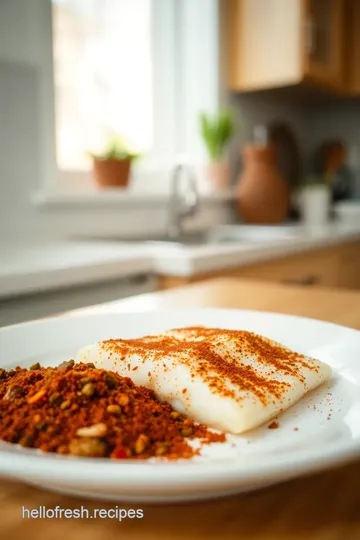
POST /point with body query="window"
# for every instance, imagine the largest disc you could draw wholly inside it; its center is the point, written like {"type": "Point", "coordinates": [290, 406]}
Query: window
{"type": "Point", "coordinates": [102, 76]}
{"type": "Point", "coordinates": [142, 69]}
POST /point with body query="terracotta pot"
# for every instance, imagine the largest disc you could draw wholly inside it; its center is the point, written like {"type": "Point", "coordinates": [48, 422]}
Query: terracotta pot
{"type": "Point", "coordinates": [112, 172]}
{"type": "Point", "coordinates": [218, 173]}
{"type": "Point", "coordinates": [262, 194]}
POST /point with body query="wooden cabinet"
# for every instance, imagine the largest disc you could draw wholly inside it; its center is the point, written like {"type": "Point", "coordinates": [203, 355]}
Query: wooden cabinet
{"type": "Point", "coordinates": [331, 267]}
{"type": "Point", "coordinates": [322, 51]}
{"type": "Point", "coordinates": [309, 269]}
{"type": "Point", "coordinates": [280, 43]}
{"type": "Point", "coordinates": [349, 267]}
{"type": "Point", "coordinates": [352, 47]}
{"type": "Point", "coordinates": [264, 41]}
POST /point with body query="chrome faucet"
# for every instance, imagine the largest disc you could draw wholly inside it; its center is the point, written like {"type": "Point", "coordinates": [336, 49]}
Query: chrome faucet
{"type": "Point", "coordinates": [182, 205]}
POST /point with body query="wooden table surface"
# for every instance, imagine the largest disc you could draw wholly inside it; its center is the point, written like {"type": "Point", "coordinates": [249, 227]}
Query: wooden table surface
{"type": "Point", "coordinates": [325, 506]}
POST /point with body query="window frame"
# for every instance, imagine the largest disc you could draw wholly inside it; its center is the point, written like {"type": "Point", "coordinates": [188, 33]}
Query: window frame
{"type": "Point", "coordinates": [192, 62]}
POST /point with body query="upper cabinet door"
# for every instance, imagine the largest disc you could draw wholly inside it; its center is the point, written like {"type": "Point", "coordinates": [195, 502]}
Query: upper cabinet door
{"type": "Point", "coordinates": [323, 41]}
{"type": "Point", "coordinates": [282, 43]}
{"type": "Point", "coordinates": [352, 47]}
{"type": "Point", "coordinates": [263, 43]}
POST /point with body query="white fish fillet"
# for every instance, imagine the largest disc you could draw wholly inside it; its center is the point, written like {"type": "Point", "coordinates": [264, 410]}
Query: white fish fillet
{"type": "Point", "coordinates": [230, 380]}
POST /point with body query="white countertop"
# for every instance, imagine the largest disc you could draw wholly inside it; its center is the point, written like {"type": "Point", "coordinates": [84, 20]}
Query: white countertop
{"type": "Point", "coordinates": [30, 268]}
{"type": "Point", "coordinates": [188, 261]}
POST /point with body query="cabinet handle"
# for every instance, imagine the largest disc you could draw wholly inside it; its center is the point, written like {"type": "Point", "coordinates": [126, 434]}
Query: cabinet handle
{"type": "Point", "coordinates": [310, 280]}
{"type": "Point", "coordinates": [310, 42]}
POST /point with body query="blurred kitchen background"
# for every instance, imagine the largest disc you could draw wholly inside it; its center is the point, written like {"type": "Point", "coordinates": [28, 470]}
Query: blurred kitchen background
{"type": "Point", "coordinates": [145, 144]}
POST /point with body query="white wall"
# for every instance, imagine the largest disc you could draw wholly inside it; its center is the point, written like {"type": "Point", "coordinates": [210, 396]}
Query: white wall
{"type": "Point", "coordinates": [26, 142]}
{"type": "Point", "coordinates": [19, 149]}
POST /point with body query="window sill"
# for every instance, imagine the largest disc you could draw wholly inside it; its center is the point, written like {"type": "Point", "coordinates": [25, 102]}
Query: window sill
{"type": "Point", "coordinates": [115, 198]}
{"type": "Point", "coordinates": [117, 214]}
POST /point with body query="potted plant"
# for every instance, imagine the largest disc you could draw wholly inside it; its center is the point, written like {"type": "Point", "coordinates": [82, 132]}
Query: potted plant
{"type": "Point", "coordinates": [315, 198]}
{"type": "Point", "coordinates": [216, 132]}
{"type": "Point", "coordinates": [112, 167]}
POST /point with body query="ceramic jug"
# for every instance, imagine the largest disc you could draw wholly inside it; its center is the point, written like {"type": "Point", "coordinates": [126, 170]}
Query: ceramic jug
{"type": "Point", "coordinates": [262, 193]}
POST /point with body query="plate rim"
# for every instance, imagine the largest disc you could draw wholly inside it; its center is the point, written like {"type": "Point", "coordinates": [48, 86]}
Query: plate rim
{"type": "Point", "coordinates": [164, 475]}
{"type": "Point", "coordinates": [142, 475]}
{"type": "Point", "coordinates": [79, 316]}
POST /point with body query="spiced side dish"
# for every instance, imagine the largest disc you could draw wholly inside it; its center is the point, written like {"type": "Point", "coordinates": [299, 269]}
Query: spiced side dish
{"type": "Point", "coordinates": [80, 410]}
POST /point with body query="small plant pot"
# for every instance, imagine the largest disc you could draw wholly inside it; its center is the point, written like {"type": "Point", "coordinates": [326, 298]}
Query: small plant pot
{"type": "Point", "coordinates": [315, 205]}
{"type": "Point", "coordinates": [218, 174]}
{"type": "Point", "coordinates": [112, 173]}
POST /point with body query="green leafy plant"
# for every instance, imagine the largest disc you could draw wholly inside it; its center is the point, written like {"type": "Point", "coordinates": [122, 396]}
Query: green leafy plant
{"type": "Point", "coordinates": [216, 132]}
{"type": "Point", "coordinates": [116, 149]}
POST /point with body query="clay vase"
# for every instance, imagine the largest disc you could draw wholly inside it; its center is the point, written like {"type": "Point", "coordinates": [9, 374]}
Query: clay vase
{"type": "Point", "coordinates": [112, 173]}
{"type": "Point", "coordinates": [262, 193]}
{"type": "Point", "coordinates": [218, 174]}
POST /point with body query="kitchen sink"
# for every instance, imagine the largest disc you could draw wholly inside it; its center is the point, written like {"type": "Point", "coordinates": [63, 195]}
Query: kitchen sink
{"type": "Point", "coordinates": [191, 239]}
{"type": "Point", "coordinates": [230, 234]}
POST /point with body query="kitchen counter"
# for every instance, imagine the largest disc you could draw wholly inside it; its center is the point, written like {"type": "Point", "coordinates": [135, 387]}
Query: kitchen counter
{"type": "Point", "coordinates": [33, 268]}
{"type": "Point", "coordinates": [184, 261]}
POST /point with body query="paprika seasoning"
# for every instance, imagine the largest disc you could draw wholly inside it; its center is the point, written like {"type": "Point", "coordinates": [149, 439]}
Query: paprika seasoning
{"type": "Point", "coordinates": [80, 410]}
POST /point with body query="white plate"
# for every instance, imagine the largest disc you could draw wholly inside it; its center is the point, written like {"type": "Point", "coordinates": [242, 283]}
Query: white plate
{"type": "Point", "coordinates": [327, 420]}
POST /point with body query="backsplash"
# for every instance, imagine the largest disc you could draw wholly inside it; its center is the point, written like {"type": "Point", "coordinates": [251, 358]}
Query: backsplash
{"type": "Point", "coordinates": [339, 121]}
{"type": "Point", "coordinates": [263, 109]}
{"type": "Point", "coordinates": [311, 125]}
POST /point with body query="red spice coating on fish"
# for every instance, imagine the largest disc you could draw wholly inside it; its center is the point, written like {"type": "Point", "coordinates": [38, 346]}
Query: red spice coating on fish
{"type": "Point", "coordinates": [199, 350]}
